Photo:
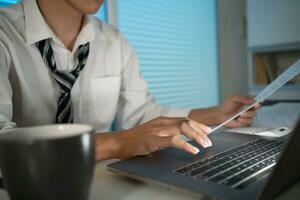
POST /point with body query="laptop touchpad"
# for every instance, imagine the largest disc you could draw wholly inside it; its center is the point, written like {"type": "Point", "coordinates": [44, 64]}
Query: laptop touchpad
{"type": "Point", "coordinates": [221, 141]}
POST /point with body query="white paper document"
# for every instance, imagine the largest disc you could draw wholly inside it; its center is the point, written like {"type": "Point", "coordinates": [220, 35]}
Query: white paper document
{"type": "Point", "coordinates": [279, 114]}
{"type": "Point", "coordinates": [285, 77]}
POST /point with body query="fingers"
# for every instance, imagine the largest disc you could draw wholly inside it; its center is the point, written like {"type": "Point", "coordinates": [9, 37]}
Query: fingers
{"type": "Point", "coordinates": [196, 133]}
{"type": "Point", "coordinates": [180, 144]}
{"type": "Point", "coordinates": [242, 99]}
{"type": "Point", "coordinates": [168, 131]}
{"type": "Point", "coordinates": [245, 121]}
{"type": "Point", "coordinates": [257, 106]}
{"type": "Point", "coordinates": [199, 127]}
{"type": "Point", "coordinates": [248, 114]}
{"type": "Point", "coordinates": [176, 142]}
{"type": "Point", "coordinates": [234, 124]}
{"type": "Point", "coordinates": [191, 129]}
{"type": "Point", "coordinates": [246, 118]}
{"type": "Point", "coordinates": [239, 122]}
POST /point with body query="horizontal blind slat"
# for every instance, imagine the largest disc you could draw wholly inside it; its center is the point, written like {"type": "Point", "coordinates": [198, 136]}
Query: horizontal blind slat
{"type": "Point", "coordinates": [175, 42]}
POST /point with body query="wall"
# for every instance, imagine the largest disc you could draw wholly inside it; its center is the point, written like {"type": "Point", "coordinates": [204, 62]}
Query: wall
{"type": "Point", "coordinates": [232, 47]}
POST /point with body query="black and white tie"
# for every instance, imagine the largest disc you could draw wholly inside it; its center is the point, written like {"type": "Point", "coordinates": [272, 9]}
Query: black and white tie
{"type": "Point", "coordinates": [65, 80]}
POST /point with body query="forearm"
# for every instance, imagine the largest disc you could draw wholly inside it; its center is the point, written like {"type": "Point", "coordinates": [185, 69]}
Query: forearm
{"type": "Point", "coordinates": [120, 144]}
{"type": "Point", "coordinates": [207, 116]}
{"type": "Point", "coordinates": [107, 146]}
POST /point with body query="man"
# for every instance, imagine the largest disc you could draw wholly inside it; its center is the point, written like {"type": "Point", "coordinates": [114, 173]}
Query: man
{"type": "Point", "coordinates": [59, 65]}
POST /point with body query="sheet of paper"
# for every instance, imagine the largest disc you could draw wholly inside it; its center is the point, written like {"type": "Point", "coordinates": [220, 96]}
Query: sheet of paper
{"type": "Point", "coordinates": [280, 114]}
{"type": "Point", "coordinates": [236, 115]}
{"type": "Point", "coordinates": [285, 77]}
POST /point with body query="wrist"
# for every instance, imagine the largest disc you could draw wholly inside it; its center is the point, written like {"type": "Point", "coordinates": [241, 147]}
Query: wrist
{"type": "Point", "coordinates": [107, 146]}
{"type": "Point", "coordinates": [207, 116]}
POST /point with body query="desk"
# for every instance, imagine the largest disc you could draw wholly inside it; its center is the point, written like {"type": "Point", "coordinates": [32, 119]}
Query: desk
{"type": "Point", "coordinates": [109, 186]}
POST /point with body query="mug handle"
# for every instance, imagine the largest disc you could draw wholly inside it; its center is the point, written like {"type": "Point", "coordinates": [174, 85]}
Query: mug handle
{"type": "Point", "coordinates": [1, 184]}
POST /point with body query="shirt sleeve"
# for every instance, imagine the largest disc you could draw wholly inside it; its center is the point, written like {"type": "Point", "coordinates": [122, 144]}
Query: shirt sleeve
{"type": "Point", "coordinates": [136, 105]}
{"type": "Point", "coordinates": [6, 111]}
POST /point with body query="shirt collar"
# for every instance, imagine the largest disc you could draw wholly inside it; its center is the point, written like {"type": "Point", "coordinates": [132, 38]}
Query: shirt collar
{"type": "Point", "coordinates": [35, 25]}
{"type": "Point", "coordinates": [37, 28]}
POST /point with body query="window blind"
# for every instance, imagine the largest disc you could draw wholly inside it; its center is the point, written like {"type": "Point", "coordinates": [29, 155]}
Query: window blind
{"type": "Point", "coordinates": [4, 3]}
{"type": "Point", "coordinates": [102, 12]}
{"type": "Point", "coordinates": [176, 44]}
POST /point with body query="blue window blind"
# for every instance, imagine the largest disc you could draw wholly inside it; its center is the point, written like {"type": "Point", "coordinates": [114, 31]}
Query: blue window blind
{"type": "Point", "coordinates": [176, 43]}
{"type": "Point", "coordinates": [102, 13]}
{"type": "Point", "coordinates": [4, 3]}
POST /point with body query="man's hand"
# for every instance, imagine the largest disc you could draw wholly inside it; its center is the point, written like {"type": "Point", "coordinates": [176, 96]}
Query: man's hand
{"type": "Point", "coordinates": [165, 132]}
{"type": "Point", "coordinates": [232, 106]}
{"type": "Point", "coordinates": [159, 133]}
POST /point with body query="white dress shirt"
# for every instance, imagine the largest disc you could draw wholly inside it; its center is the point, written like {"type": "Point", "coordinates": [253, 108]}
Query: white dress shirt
{"type": "Point", "coordinates": [110, 87]}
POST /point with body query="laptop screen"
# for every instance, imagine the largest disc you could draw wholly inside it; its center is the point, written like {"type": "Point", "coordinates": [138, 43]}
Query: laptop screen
{"type": "Point", "coordinates": [286, 172]}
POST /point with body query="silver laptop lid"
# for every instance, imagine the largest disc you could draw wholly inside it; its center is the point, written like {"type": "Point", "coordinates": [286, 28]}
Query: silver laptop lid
{"type": "Point", "coordinates": [286, 172]}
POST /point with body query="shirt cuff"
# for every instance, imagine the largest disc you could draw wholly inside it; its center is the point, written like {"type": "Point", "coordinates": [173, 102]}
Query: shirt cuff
{"type": "Point", "coordinates": [7, 127]}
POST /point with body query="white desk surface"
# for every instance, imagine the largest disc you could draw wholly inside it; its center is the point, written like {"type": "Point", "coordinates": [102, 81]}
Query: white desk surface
{"type": "Point", "coordinates": [110, 186]}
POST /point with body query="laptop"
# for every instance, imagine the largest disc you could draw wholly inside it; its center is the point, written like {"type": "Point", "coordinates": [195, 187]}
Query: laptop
{"type": "Point", "coordinates": [237, 166]}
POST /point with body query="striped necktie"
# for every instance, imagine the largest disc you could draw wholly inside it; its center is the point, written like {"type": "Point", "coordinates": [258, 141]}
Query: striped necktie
{"type": "Point", "coordinates": [65, 80]}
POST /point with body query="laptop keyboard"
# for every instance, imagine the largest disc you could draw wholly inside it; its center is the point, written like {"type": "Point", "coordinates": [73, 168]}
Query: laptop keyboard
{"type": "Point", "coordinates": [238, 166]}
